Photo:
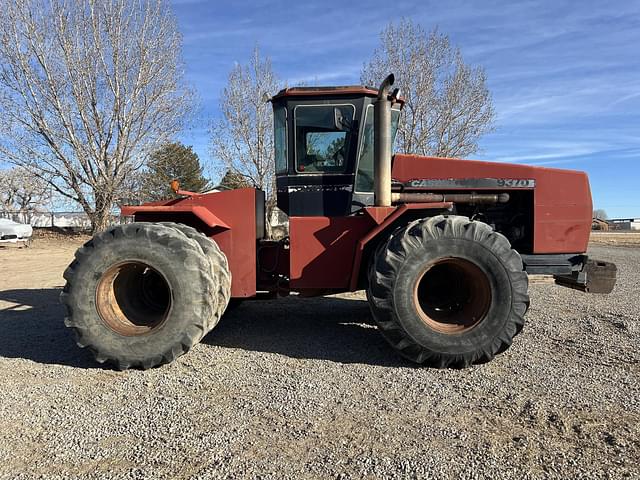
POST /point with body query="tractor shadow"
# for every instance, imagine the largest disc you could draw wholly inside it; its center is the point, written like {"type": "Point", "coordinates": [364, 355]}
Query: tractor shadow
{"type": "Point", "coordinates": [323, 328]}
{"type": "Point", "coordinates": [32, 327]}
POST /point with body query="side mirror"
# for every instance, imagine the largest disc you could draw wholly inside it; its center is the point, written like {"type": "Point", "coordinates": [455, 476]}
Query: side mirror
{"type": "Point", "coordinates": [339, 121]}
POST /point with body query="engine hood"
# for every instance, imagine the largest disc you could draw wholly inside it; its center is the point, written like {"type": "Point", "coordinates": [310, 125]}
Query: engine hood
{"type": "Point", "coordinates": [561, 198]}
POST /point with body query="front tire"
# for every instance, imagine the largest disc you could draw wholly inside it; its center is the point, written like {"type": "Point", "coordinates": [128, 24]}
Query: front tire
{"type": "Point", "coordinates": [140, 295]}
{"type": "Point", "coordinates": [448, 292]}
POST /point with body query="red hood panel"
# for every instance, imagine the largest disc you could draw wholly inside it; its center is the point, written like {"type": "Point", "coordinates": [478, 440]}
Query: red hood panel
{"type": "Point", "coordinates": [562, 198]}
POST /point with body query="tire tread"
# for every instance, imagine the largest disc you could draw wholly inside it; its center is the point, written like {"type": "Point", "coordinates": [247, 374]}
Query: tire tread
{"type": "Point", "coordinates": [193, 259]}
{"type": "Point", "coordinates": [389, 259]}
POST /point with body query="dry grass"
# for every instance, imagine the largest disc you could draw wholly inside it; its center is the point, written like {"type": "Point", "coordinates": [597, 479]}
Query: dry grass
{"type": "Point", "coordinates": [626, 238]}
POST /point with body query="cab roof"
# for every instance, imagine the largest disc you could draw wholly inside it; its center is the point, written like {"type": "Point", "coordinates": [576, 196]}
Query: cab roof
{"type": "Point", "coordinates": [325, 91]}
{"type": "Point", "coordinates": [346, 90]}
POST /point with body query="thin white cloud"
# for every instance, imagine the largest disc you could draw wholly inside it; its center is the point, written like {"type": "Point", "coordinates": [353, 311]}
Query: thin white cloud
{"type": "Point", "coordinates": [626, 98]}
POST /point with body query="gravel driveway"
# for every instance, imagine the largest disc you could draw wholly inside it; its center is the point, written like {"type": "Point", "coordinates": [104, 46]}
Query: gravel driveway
{"type": "Point", "coordinates": [307, 388]}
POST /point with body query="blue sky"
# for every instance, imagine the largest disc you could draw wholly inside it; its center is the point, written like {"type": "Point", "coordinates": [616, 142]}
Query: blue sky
{"type": "Point", "coordinates": [565, 75]}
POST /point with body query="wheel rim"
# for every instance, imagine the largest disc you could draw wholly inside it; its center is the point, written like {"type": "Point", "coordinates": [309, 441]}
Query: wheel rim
{"type": "Point", "coordinates": [132, 298]}
{"type": "Point", "coordinates": [452, 295]}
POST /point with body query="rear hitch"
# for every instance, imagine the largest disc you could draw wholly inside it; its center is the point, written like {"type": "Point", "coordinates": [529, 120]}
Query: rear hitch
{"type": "Point", "coordinates": [596, 276]}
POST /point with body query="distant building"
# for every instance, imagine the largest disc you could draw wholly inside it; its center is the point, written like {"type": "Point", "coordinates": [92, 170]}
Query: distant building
{"type": "Point", "coordinates": [599, 224]}
{"type": "Point", "coordinates": [624, 223]}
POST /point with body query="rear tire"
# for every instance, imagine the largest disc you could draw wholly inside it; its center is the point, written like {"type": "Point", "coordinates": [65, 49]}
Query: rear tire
{"type": "Point", "coordinates": [448, 292]}
{"type": "Point", "coordinates": [140, 295]}
{"type": "Point", "coordinates": [219, 264]}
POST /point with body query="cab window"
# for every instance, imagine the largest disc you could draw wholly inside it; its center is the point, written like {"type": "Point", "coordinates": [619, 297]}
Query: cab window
{"type": "Point", "coordinates": [364, 176]}
{"type": "Point", "coordinates": [321, 144]}
{"type": "Point", "coordinates": [280, 139]}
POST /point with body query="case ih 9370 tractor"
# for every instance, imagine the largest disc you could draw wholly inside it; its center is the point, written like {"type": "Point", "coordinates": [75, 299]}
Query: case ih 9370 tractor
{"type": "Point", "coordinates": [442, 246]}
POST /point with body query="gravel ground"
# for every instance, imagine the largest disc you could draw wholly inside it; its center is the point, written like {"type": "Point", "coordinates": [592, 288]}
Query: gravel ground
{"type": "Point", "coordinates": [308, 389]}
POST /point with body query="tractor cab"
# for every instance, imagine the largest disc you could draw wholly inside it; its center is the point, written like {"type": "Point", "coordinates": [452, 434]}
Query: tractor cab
{"type": "Point", "coordinates": [324, 149]}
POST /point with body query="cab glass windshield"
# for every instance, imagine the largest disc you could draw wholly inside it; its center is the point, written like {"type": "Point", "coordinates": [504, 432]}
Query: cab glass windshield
{"type": "Point", "coordinates": [322, 143]}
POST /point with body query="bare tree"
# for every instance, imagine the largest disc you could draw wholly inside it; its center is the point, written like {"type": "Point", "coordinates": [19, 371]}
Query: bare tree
{"type": "Point", "coordinates": [23, 193]}
{"type": "Point", "coordinates": [600, 214]}
{"type": "Point", "coordinates": [448, 105]}
{"type": "Point", "coordinates": [87, 89]}
{"type": "Point", "coordinates": [243, 138]}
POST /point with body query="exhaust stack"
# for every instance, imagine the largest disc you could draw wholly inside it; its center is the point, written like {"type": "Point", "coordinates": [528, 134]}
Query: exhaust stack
{"type": "Point", "coordinates": [382, 144]}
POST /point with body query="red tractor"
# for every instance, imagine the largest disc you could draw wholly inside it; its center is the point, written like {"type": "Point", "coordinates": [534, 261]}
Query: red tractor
{"type": "Point", "coordinates": [442, 246]}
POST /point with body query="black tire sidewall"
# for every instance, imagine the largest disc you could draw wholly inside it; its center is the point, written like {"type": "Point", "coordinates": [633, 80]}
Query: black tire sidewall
{"type": "Point", "coordinates": [480, 336]}
{"type": "Point", "coordinates": [219, 263]}
{"type": "Point", "coordinates": [165, 259]}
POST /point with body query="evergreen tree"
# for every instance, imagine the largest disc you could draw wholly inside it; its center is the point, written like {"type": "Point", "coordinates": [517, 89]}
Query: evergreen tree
{"type": "Point", "coordinates": [234, 179]}
{"type": "Point", "coordinates": [173, 161]}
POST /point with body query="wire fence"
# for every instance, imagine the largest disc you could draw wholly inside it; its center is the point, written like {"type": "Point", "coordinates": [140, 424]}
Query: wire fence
{"type": "Point", "coordinates": [80, 220]}
{"type": "Point", "coordinates": [47, 219]}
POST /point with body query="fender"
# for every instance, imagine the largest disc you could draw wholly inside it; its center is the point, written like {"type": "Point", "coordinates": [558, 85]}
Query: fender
{"type": "Point", "coordinates": [200, 212]}
{"type": "Point", "coordinates": [386, 218]}
{"type": "Point", "coordinates": [234, 219]}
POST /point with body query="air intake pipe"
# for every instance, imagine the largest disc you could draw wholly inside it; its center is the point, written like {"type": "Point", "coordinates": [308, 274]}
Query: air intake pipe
{"type": "Point", "coordinates": [382, 144]}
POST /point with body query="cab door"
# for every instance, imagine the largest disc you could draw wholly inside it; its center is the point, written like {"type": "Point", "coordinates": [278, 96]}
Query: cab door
{"type": "Point", "coordinates": [318, 180]}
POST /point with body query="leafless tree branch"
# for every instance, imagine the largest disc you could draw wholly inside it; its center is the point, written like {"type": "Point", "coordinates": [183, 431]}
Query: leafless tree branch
{"type": "Point", "coordinates": [448, 105]}
{"type": "Point", "coordinates": [23, 192]}
{"type": "Point", "coordinates": [243, 139]}
{"type": "Point", "coordinates": [88, 88]}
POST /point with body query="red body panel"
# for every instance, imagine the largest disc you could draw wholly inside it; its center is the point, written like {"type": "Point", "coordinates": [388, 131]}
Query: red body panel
{"type": "Point", "coordinates": [562, 198]}
{"type": "Point", "coordinates": [202, 213]}
{"type": "Point", "coordinates": [326, 252]}
{"type": "Point", "coordinates": [323, 248]}
{"type": "Point", "coordinates": [228, 217]}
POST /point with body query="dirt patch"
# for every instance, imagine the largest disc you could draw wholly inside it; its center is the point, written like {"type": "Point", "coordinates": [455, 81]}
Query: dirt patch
{"type": "Point", "coordinates": [41, 264]}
